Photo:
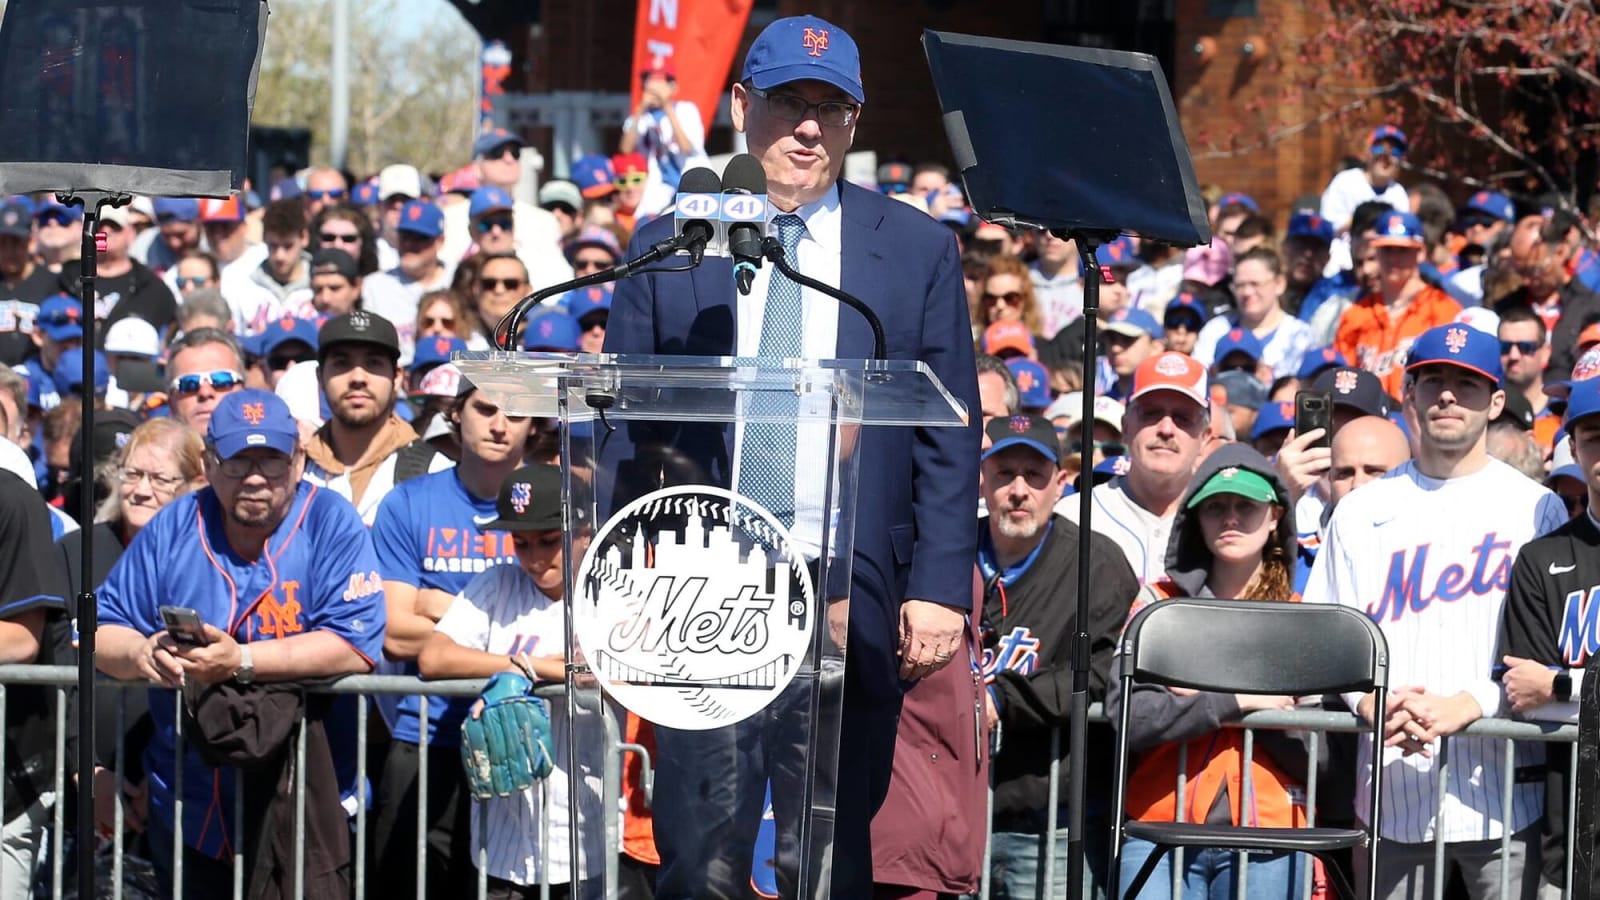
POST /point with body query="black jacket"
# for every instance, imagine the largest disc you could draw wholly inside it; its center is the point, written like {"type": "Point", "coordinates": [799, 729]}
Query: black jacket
{"type": "Point", "coordinates": [1033, 616]}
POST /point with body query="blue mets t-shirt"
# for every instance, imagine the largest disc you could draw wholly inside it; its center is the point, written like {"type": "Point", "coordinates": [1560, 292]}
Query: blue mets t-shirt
{"type": "Point", "coordinates": [426, 534]}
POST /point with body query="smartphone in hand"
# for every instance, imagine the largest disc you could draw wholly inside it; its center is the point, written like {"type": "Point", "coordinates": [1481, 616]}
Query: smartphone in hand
{"type": "Point", "coordinates": [1312, 410]}
{"type": "Point", "coordinates": [185, 626]}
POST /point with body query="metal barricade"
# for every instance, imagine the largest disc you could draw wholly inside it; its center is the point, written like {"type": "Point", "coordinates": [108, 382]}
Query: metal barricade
{"type": "Point", "coordinates": [1507, 731]}
{"type": "Point", "coordinates": [364, 687]}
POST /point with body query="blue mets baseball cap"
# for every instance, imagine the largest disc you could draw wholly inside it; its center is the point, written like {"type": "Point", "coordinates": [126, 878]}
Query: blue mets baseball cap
{"type": "Point", "coordinates": [1238, 340]}
{"type": "Point", "coordinates": [1238, 199]}
{"type": "Point", "coordinates": [594, 176]}
{"type": "Point", "coordinates": [1118, 253]}
{"type": "Point", "coordinates": [283, 330]}
{"type": "Point", "coordinates": [487, 200]}
{"type": "Point", "coordinates": [421, 217]}
{"type": "Point", "coordinates": [365, 194]}
{"type": "Point", "coordinates": [1312, 226]}
{"type": "Point", "coordinates": [1397, 229]}
{"type": "Point", "coordinates": [1181, 306]}
{"type": "Point", "coordinates": [588, 301]}
{"type": "Point", "coordinates": [1583, 399]}
{"type": "Point", "coordinates": [176, 209]}
{"type": "Point", "coordinates": [434, 351]}
{"type": "Point", "coordinates": [1131, 321]}
{"type": "Point", "coordinates": [1316, 360]}
{"type": "Point", "coordinates": [68, 375]}
{"type": "Point", "coordinates": [804, 48]}
{"type": "Point", "coordinates": [1457, 345]}
{"type": "Point", "coordinates": [61, 317]}
{"type": "Point", "coordinates": [1272, 417]}
{"type": "Point", "coordinates": [552, 331]}
{"type": "Point", "coordinates": [1388, 133]}
{"type": "Point", "coordinates": [493, 139]}
{"type": "Point", "coordinates": [1493, 204]}
{"type": "Point", "coordinates": [248, 419]}
{"type": "Point", "coordinates": [61, 213]}
{"type": "Point", "coordinates": [1033, 382]}
{"type": "Point", "coordinates": [1034, 432]}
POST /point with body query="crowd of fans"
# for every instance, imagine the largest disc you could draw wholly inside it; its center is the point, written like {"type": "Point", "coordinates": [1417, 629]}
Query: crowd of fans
{"type": "Point", "coordinates": [329, 307]}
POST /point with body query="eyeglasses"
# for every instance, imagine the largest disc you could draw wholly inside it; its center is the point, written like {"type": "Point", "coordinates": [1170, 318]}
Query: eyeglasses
{"type": "Point", "coordinates": [1478, 221]}
{"type": "Point", "coordinates": [632, 179]}
{"type": "Point", "coordinates": [335, 194]}
{"type": "Point", "coordinates": [195, 282]}
{"type": "Point", "coordinates": [1386, 149]}
{"type": "Point", "coordinates": [790, 108]}
{"type": "Point", "coordinates": [441, 321]}
{"type": "Point", "coordinates": [1526, 348]}
{"type": "Point", "coordinates": [69, 317]}
{"type": "Point", "coordinates": [161, 484]}
{"type": "Point", "coordinates": [502, 150]}
{"type": "Point", "coordinates": [328, 237]}
{"type": "Point", "coordinates": [270, 467]}
{"type": "Point", "coordinates": [221, 380]}
{"type": "Point", "coordinates": [503, 223]}
{"type": "Point", "coordinates": [1106, 448]}
{"type": "Point", "coordinates": [279, 363]}
{"type": "Point", "coordinates": [56, 219]}
{"type": "Point", "coordinates": [1011, 298]}
{"type": "Point", "coordinates": [585, 265]}
{"type": "Point", "coordinates": [500, 284]}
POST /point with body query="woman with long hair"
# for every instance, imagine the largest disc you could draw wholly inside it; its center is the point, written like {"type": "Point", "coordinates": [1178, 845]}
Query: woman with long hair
{"type": "Point", "coordinates": [1008, 294]}
{"type": "Point", "coordinates": [341, 227]}
{"type": "Point", "coordinates": [1233, 538]}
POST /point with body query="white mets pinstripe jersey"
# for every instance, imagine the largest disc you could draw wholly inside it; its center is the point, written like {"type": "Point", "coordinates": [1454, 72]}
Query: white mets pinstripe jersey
{"type": "Point", "coordinates": [502, 612]}
{"type": "Point", "coordinates": [1140, 533]}
{"type": "Point", "coordinates": [1429, 561]}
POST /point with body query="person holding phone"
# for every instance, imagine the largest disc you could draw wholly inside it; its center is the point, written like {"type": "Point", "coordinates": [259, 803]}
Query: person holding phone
{"type": "Point", "coordinates": [281, 575]}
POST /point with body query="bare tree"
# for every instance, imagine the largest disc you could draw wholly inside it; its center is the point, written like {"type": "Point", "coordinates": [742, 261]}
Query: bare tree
{"type": "Point", "coordinates": [411, 94]}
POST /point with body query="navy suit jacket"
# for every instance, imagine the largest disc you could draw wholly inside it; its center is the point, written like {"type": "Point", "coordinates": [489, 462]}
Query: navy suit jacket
{"type": "Point", "coordinates": [916, 511]}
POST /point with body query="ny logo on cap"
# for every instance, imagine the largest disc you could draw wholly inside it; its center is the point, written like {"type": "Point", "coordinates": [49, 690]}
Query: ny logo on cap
{"type": "Point", "coordinates": [441, 345]}
{"type": "Point", "coordinates": [1019, 424]}
{"type": "Point", "coordinates": [359, 321]}
{"type": "Point", "coordinates": [253, 412]}
{"type": "Point", "coordinates": [1588, 366]}
{"type": "Point", "coordinates": [815, 41]}
{"type": "Point", "coordinates": [1025, 380]}
{"type": "Point", "coordinates": [1480, 197]}
{"type": "Point", "coordinates": [286, 323]}
{"type": "Point", "coordinates": [1172, 365]}
{"type": "Point", "coordinates": [1456, 339]}
{"type": "Point", "coordinates": [521, 496]}
{"type": "Point", "coordinates": [1397, 227]}
{"type": "Point", "coordinates": [1121, 465]}
{"type": "Point", "coordinates": [1345, 381]}
{"type": "Point", "coordinates": [414, 213]}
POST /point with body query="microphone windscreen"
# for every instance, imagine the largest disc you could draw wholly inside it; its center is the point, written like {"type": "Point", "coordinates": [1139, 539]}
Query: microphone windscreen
{"type": "Point", "coordinates": [700, 180]}
{"type": "Point", "coordinates": [744, 175]}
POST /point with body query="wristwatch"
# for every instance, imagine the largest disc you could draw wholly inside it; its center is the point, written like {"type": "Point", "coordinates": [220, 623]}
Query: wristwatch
{"type": "Point", "coordinates": [246, 673]}
{"type": "Point", "coordinates": [1562, 686]}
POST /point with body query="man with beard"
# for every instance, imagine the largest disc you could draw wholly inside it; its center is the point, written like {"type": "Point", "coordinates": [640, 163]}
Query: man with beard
{"type": "Point", "coordinates": [23, 284]}
{"type": "Point", "coordinates": [358, 452]}
{"type": "Point", "coordinates": [1028, 556]}
{"type": "Point", "coordinates": [283, 577]}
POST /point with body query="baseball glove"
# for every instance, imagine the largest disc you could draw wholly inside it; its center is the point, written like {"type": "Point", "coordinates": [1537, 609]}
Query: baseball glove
{"type": "Point", "coordinates": [506, 746]}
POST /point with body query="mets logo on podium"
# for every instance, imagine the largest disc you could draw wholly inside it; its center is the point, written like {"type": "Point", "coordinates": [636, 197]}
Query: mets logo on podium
{"type": "Point", "coordinates": [693, 609]}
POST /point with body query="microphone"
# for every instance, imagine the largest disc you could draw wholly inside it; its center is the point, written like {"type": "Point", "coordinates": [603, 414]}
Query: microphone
{"type": "Point", "coordinates": [744, 209]}
{"type": "Point", "coordinates": [694, 216]}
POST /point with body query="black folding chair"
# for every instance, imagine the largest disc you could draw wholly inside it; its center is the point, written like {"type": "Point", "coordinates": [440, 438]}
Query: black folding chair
{"type": "Point", "coordinates": [1250, 647]}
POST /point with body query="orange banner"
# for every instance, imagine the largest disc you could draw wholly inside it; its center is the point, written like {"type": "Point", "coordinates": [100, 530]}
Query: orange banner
{"type": "Point", "coordinates": [695, 38]}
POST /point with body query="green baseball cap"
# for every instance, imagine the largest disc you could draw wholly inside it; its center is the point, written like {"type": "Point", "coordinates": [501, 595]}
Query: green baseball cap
{"type": "Point", "coordinates": [1234, 480]}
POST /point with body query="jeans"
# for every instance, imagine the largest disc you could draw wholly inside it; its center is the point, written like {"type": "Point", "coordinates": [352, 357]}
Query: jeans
{"type": "Point", "coordinates": [1209, 874]}
{"type": "Point", "coordinates": [1016, 867]}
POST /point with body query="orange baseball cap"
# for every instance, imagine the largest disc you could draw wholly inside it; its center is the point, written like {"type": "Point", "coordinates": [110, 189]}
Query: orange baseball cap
{"type": "Point", "coordinates": [1171, 371]}
{"type": "Point", "coordinates": [1007, 334]}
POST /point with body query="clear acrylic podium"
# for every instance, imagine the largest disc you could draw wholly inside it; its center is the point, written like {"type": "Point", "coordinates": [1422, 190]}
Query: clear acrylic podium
{"type": "Point", "coordinates": [716, 620]}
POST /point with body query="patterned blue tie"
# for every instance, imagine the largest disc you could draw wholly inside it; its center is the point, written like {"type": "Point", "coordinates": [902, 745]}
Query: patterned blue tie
{"type": "Point", "coordinates": [767, 455]}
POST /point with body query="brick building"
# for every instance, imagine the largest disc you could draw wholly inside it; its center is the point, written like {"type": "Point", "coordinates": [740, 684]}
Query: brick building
{"type": "Point", "coordinates": [1224, 59]}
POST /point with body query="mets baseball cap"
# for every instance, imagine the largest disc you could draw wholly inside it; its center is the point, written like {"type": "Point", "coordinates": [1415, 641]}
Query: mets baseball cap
{"type": "Point", "coordinates": [1171, 371]}
{"type": "Point", "coordinates": [1388, 133]}
{"type": "Point", "coordinates": [529, 500]}
{"type": "Point", "coordinates": [1356, 388]}
{"type": "Point", "coordinates": [1007, 336]}
{"type": "Point", "coordinates": [1034, 432]}
{"type": "Point", "coordinates": [176, 209]}
{"type": "Point", "coordinates": [421, 217]}
{"type": "Point", "coordinates": [61, 317]}
{"type": "Point", "coordinates": [1238, 340]}
{"type": "Point", "coordinates": [1397, 229]}
{"type": "Point", "coordinates": [1272, 417]}
{"type": "Point", "coordinates": [252, 418]}
{"type": "Point", "coordinates": [552, 332]}
{"type": "Point", "coordinates": [1583, 399]}
{"type": "Point", "coordinates": [1184, 306]}
{"type": "Point", "coordinates": [804, 48]}
{"type": "Point", "coordinates": [434, 351]}
{"type": "Point", "coordinates": [1493, 204]}
{"type": "Point", "coordinates": [487, 200]}
{"type": "Point", "coordinates": [364, 195]}
{"type": "Point", "coordinates": [1234, 480]}
{"type": "Point", "coordinates": [588, 301]}
{"type": "Point", "coordinates": [1587, 367]}
{"type": "Point", "coordinates": [492, 140]}
{"type": "Point", "coordinates": [1033, 382]}
{"type": "Point", "coordinates": [594, 176]}
{"type": "Point", "coordinates": [358, 328]}
{"type": "Point", "coordinates": [282, 330]}
{"type": "Point", "coordinates": [1118, 254]}
{"type": "Point", "coordinates": [16, 220]}
{"type": "Point", "coordinates": [1312, 364]}
{"type": "Point", "coordinates": [441, 381]}
{"type": "Point", "coordinates": [68, 375]}
{"type": "Point", "coordinates": [1131, 321]}
{"type": "Point", "coordinates": [1457, 345]}
{"type": "Point", "coordinates": [1238, 199]}
{"type": "Point", "coordinates": [1311, 226]}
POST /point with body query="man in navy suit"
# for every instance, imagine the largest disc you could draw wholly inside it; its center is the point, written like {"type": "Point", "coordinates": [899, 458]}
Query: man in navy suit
{"type": "Point", "coordinates": [797, 102]}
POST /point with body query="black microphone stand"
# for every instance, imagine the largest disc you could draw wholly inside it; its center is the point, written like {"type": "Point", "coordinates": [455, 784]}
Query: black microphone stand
{"type": "Point", "coordinates": [86, 611]}
{"type": "Point", "coordinates": [1078, 738]}
{"type": "Point", "coordinates": [772, 249]}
